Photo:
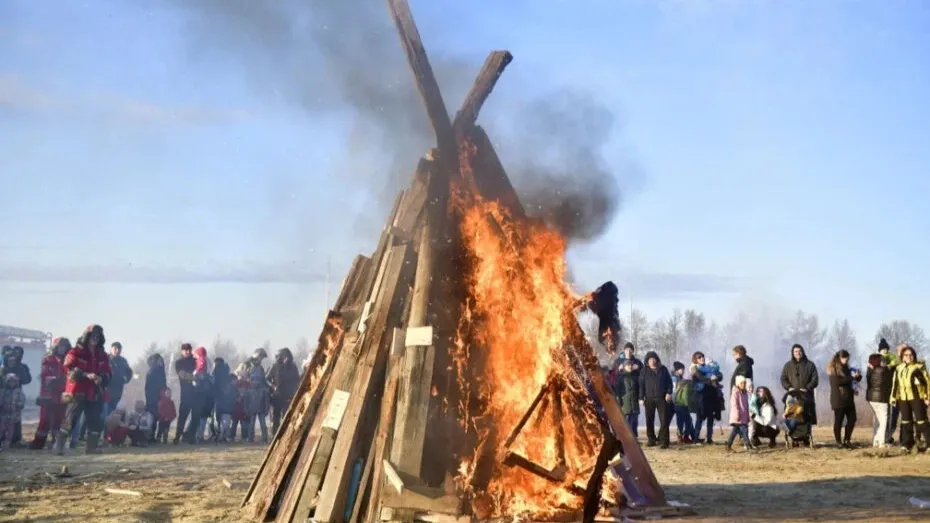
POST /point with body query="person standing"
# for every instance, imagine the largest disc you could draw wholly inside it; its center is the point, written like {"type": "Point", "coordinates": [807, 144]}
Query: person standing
{"type": "Point", "coordinates": [891, 361]}
{"type": "Point", "coordinates": [52, 377]}
{"type": "Point", "coordinates": [628, 369]}
{"type": "Point", "coordinates": [184, 367]}
{"type": "Point", "coordinates": [910, 389]}
{"type": "Point", "coordinates": [705, 380]}
{"type": "Point", "coordinates": [13, 363]}
{"type": "Point", "coordinates": [655, 386]}
{"type": "Point", "coordinates": [878, 378]}
{"type": "Point", "coordinates": [283, 379]}
{"type": "Point", "coordinates": [155, 382]}
{"type": "Point", "coordinates": [88, 368]}
{"type": "Point", "coordinates": [800, 374]}
{"type": "Point", "coordinates": [257, 398]}
{"type": "Point", "coordinates": [122, 374]}
{"type": "Point", "coordinates": [199, 401]}
{"type": "Point", "coordinates": [842, 397]}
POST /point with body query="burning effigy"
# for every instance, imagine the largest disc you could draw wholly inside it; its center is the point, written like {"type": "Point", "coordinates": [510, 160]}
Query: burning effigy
{"type": "Point", "coordinates": [452, 381]}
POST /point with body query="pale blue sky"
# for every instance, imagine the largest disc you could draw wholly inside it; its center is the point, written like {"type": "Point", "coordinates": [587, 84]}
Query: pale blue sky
{"type": "Point", "coordinates": [155, 188]}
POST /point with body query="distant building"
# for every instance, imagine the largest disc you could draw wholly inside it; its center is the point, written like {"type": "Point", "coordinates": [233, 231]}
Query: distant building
{"type": "Point", "coordinates": [34, 344]}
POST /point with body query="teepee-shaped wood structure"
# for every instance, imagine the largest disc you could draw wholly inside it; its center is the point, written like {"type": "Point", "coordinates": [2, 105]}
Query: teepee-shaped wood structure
{"type": "Point", "coordinates": [369, 435]}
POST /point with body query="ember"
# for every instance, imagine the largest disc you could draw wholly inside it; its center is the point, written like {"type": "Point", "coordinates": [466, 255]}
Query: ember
{"type": "Point", "coordinates": [451, 377]}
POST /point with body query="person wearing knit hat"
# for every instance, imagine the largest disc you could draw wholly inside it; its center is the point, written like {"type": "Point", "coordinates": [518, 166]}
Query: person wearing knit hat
{"type": "Point", "coordinates": [184, 367]}
{"type": "Point", "coordinates": [891, 361]}
{"type": "Point", "coordinates": [681, 397]}
{"type": "Point", "coordinates": [51, 385]}
{"type": "Point", "coordinates": [88, 368]}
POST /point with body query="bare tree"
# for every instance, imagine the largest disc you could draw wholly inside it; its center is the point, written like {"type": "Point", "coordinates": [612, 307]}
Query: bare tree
{"type": "Point", "coordinates": [668, 336]}
{"type": "Point", "coordinates": [695, 332]}
{"type": "Point", "coordinates": [842, 337]}
{"type": "Point", "coordinates": [902, 331]}
{"type": "Point", "coordinates": [637, 332]}
{"type": "Point", "coordinates": [805, 329]}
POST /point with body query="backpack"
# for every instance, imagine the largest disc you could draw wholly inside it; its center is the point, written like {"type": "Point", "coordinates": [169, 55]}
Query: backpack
{"type": "Point", "coordinates": [682, 395]}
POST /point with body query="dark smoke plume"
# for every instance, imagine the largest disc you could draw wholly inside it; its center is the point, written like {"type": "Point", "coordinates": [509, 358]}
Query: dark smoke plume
{"type": "Point", "coordinates": [343, 57]}
{"type": "Point", "coordinates": [557, 164]}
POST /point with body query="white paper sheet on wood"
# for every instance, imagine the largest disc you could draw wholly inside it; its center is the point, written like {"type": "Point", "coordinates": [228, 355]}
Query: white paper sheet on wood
{"type": "Point", "coordinates": [366, 312]}
{"type": "Point", "coordinates": [419, 336]}
{"type": "Point", "coordinates": [337, 409]}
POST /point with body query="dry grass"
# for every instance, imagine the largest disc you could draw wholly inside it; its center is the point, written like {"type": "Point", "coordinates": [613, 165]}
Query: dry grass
{"type": "Point", "coordinates": [185, 484]}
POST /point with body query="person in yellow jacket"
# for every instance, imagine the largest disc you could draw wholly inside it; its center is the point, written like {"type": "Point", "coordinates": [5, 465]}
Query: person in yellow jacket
{"type": "Point", "coordinates": [910, 390]}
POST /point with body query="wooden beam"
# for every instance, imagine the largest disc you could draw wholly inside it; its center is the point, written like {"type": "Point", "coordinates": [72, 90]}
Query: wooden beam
{"type": "Point", "coordinates": [425, 80]}
{"type": "Point", "coordinates": [493, 66]}
{"type": "Point", "coordinates": [371, 371]}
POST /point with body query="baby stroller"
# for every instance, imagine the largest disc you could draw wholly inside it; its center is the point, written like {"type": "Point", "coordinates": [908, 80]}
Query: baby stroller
{"type": "Point", "coordinates": [797, 425]}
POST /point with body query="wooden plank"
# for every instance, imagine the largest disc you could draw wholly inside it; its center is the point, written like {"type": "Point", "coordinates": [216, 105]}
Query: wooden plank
{"type": "Point", "coordinates": [423, 499]}
{"type": "Point", "coordinates": [425, 80]}
{"type": "Point", "coordinates": [289, 438]}
{"type": "Point", "coordinates": [414, 199]}
{"type": "Point", "coordinates": [416, 378]}
{"type": "Point", "coordinates": [382, 443]}
{"type": "Point", "coordinates": [633, 453]}
{"type": "Point", "coordinates": [493, 66]}
{"type": "Point", "coordinates": [391, 303]}
{"type": "Point", "coordinates": [489, 174]}
{"type": "Point", "coordinates": [295, 486]}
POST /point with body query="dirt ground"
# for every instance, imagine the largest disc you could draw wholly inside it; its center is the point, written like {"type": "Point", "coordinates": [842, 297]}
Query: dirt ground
{"type": "Point", "coordinates": [185, 484]}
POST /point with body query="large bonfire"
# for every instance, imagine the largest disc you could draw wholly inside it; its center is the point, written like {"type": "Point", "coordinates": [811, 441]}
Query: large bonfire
{"type": "Point", "coordinates": [452, 378]}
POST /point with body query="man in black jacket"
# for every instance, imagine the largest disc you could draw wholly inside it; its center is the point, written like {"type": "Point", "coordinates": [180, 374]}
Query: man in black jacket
{"type": "Point", "coordinates": [655, 389]}
{"type": "Point", "coordinates": [122, 374]}
{"type": "Point", "coordinates": [184, 367]}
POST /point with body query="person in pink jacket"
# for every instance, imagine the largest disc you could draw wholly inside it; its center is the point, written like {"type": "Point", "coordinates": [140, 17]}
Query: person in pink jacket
{"type": "Point", "coordinates": [739, 414]}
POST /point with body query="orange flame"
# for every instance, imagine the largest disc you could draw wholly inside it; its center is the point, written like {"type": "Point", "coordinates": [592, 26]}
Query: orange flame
{"type": "Point", "coordinates": [516, 315]}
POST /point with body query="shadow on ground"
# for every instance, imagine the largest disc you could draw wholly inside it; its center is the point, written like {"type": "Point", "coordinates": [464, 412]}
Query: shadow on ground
{"type": "Point", "coordinates": [866, 498]}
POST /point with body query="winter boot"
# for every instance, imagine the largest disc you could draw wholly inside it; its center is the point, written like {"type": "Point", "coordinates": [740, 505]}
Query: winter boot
{"type": "Point", "coordinates": [93, 438]}
{"type": "Point", "coordinates": [63, 437]}
{"type": "Point", "coordinates": [38, 443]}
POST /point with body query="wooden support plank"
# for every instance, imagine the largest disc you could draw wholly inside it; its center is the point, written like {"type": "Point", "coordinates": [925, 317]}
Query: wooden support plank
{"type": "Point", "coordinates": [557, 423]}
{"type": "Point", "coordinates": [423, 499]}
{"type": "Point", "coordinates": [382, 443]}
{"type": "Point", "coordinates": [297, 483]}
{"type": "Point", "coordinates": [425, 80]}
{"type": "Point", "coordinates": [493, 66]}
{"type": "Point", "coordinates": [556, 475]}
{"type": "Point", "coordinates": [391, 304]}
{"type": "Point", "coordinates": [414, 199]}
{"type": "Point", "coordinates": [489, 174]}
{"type": "Point", "coordinates": [297, 420]}
{"type": "Point", "coordinates": [526, 415]}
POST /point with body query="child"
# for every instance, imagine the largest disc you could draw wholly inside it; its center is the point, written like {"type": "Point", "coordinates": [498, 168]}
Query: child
{"type": "Point", "coordinates": [681, 398]}
{"type": "Point", "coordinates": [167, 412]}
{"type": "Point", "coordinates": [225, 407]}
{"type": "Point", "coordinates": [854, 371]}
{"type": "Point", "coordinates": [240, 416]}
{"type": "Point", "coordinates": [739, 414]}
{"type": "Point", "coordinates": [140, 425]}
{"type": "Point", "coordinates": [117, 427]}
{"type": "Point", "coordinates": [753, 408]}
{"type": "Point", "coordinates": [12, 402]}
{"type": "Point", "coordinates": [794, 413]}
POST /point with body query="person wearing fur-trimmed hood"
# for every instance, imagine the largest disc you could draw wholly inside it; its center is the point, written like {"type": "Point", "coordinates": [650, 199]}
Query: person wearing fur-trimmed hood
{"type": "Point", "coordinates": [88, 368]}
{"type": "Point", "coordinates": [52, 384]}
{"type": "Point", "coordinates": [283, 380]}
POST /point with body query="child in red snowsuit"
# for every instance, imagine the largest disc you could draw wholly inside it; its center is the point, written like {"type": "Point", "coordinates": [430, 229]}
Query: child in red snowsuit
{"type": "Point", "coordinates": [167, 412]}
{"type": "Point", "coordinates": [51, 385]}
{"type": "Point", "coordinates": [240, 416]}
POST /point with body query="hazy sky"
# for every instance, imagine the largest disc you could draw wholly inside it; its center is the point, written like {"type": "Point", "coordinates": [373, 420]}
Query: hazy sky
{"type": "Point", "coordinates": [154, 183]}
